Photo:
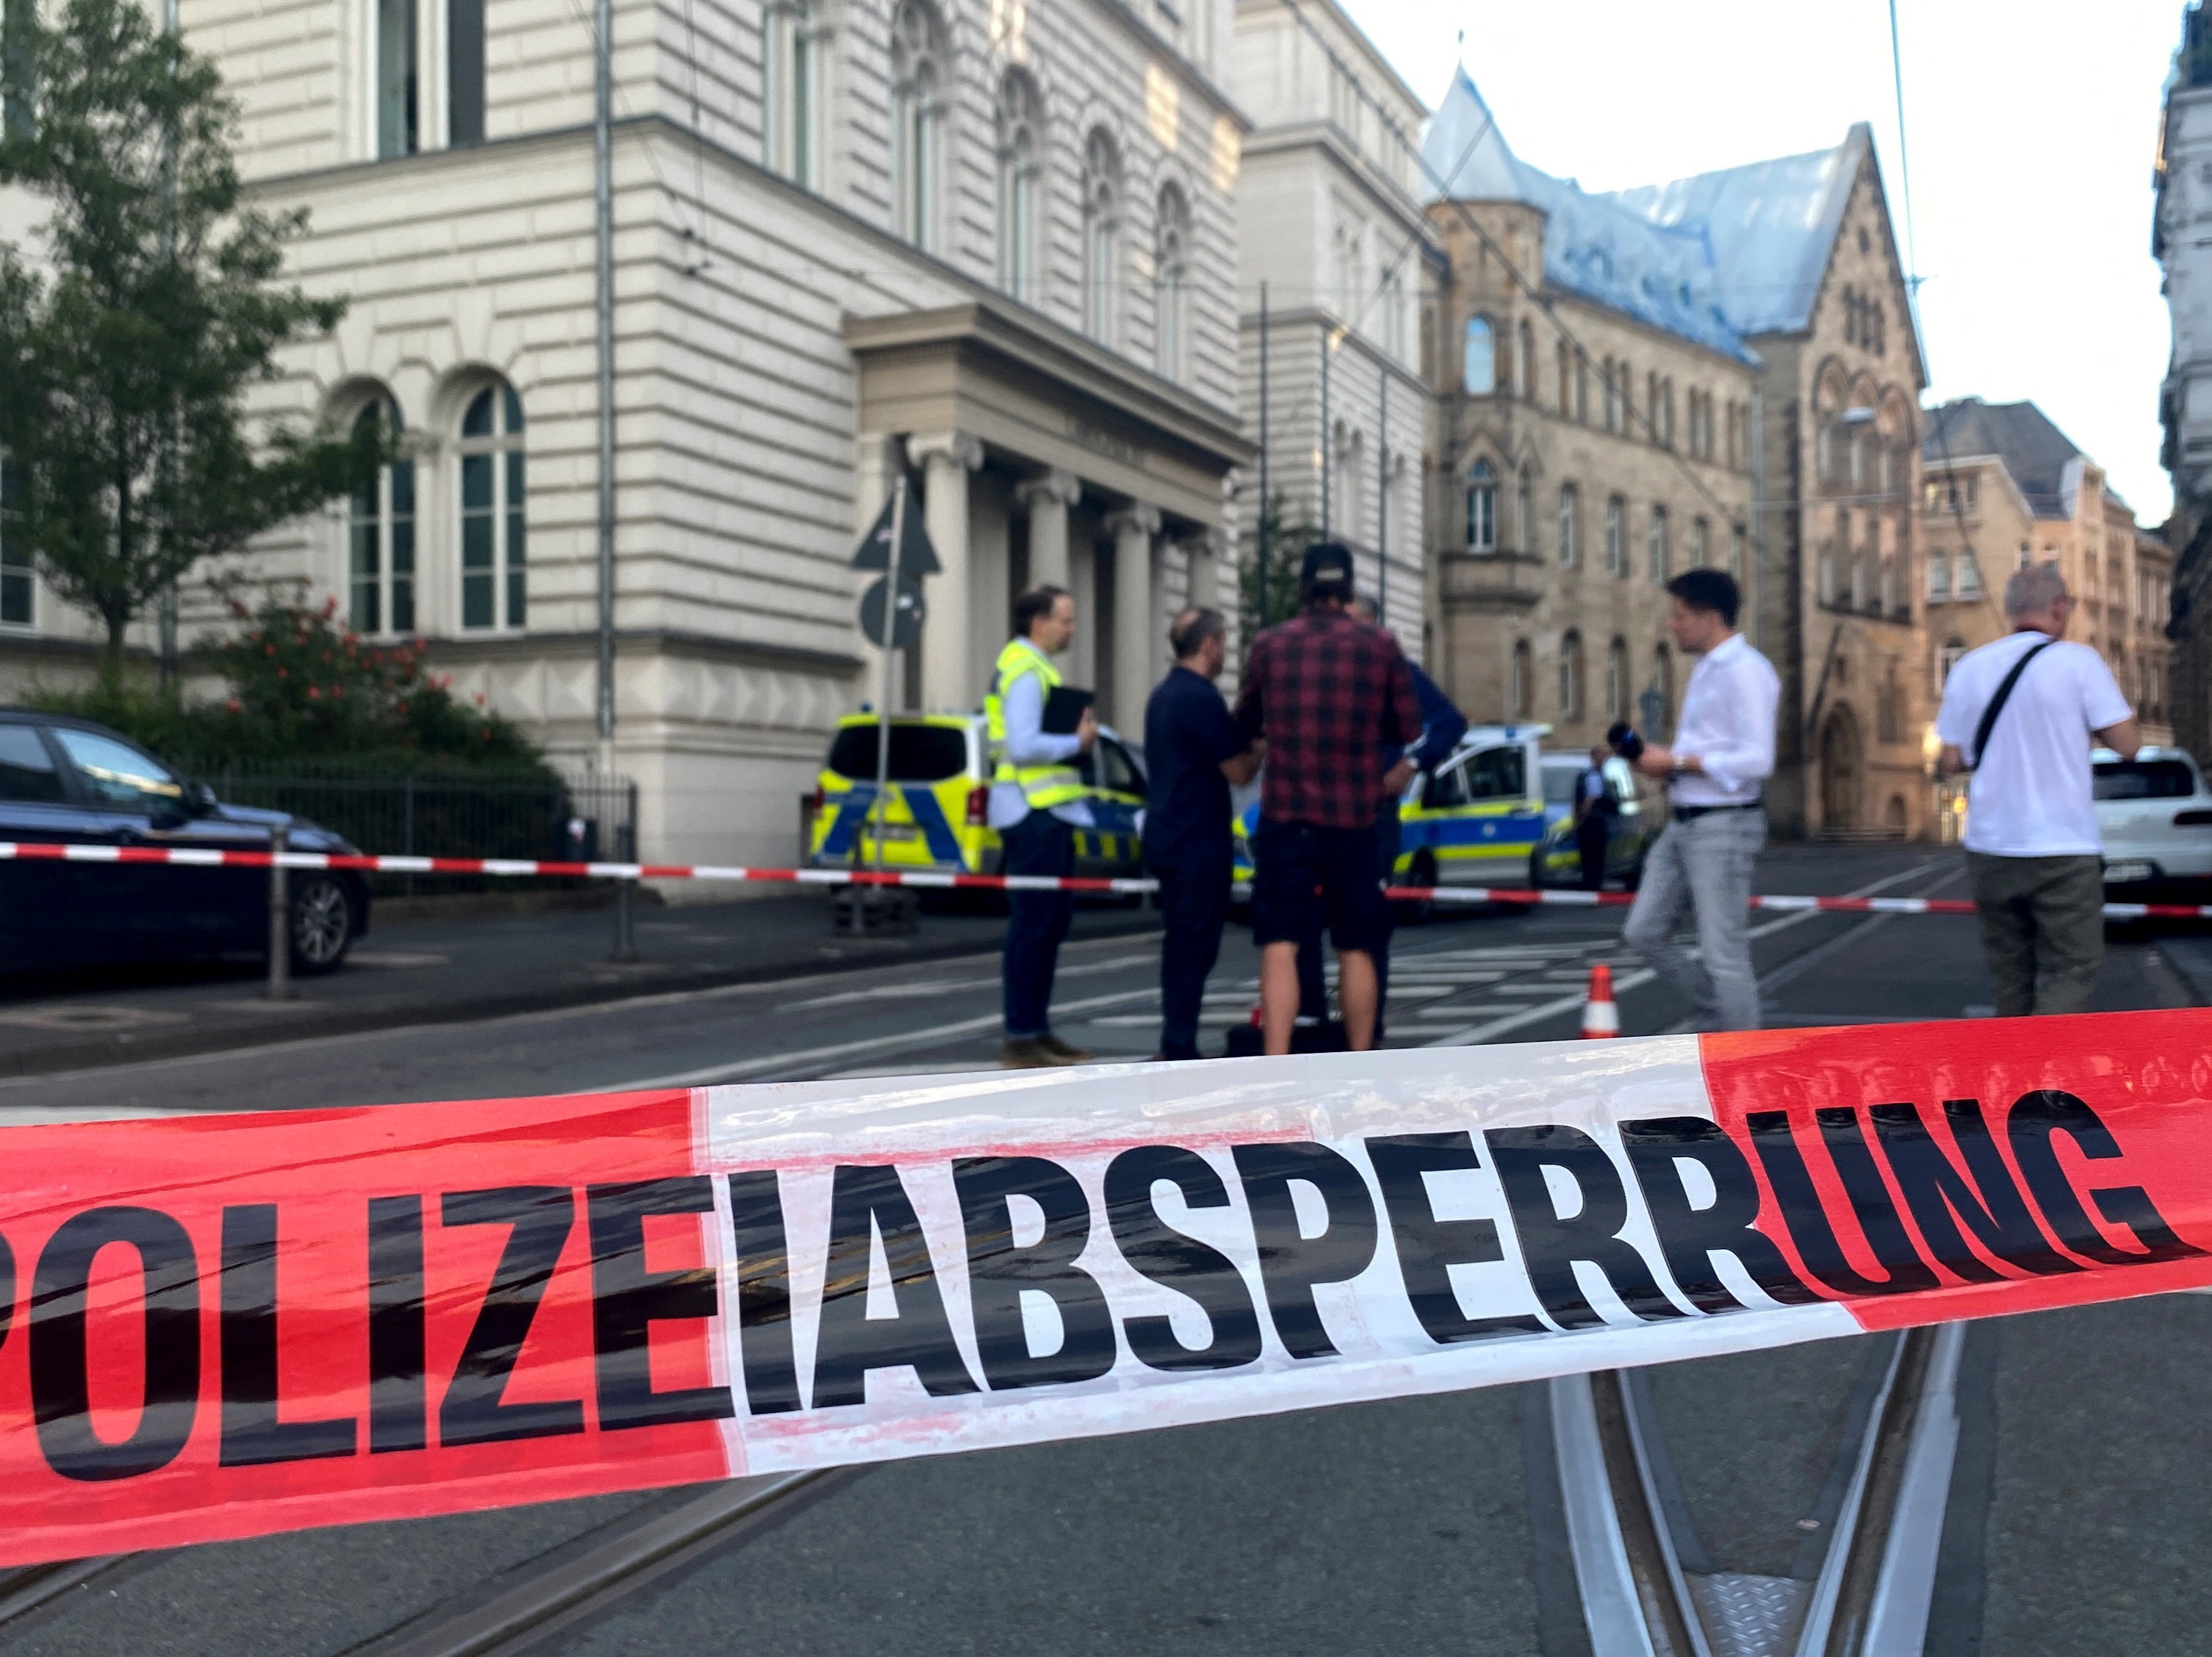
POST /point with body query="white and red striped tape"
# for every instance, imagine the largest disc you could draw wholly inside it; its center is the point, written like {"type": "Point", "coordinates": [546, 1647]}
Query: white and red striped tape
{"type": "Point", "coordinates": [528, 867]}
{"type": "Point", "coordinates": [229, 1325]}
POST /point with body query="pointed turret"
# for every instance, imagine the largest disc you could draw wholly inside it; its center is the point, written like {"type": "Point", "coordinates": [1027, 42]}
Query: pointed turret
{"type": "Point", "coordinates": [1465, 157]}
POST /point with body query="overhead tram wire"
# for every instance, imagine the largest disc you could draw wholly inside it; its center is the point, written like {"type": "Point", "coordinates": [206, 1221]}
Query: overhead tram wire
{"type": "Point", "coordinates": [1912, 281]}
{"type": "Point", "coordinates": [1537, 296]}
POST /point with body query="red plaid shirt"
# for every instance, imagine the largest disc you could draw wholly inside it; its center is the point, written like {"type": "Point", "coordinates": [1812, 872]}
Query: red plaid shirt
{"type": "Point", "coordinates": [1329, 694]}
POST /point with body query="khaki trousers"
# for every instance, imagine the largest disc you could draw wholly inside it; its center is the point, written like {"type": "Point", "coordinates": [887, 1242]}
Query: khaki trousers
{"type": "Point", "coordinates": [2042, 930]}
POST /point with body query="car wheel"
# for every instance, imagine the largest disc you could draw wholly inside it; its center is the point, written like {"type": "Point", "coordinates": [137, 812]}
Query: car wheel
{"type": "Point", "coordinates": [322, 925]}
{"type": "Point", "coordinates": [1538, 875]}
{"type": "Point", "coordinates": [1421, 872]}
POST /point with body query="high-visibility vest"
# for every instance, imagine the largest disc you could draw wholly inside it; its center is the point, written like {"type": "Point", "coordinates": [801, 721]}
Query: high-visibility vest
{"type": "Point", "coordinates": [1043, 786]}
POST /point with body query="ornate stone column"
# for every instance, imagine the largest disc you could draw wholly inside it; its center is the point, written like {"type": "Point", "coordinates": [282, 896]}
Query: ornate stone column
{"type": "Point", "coordinates": [1135, 614]}
{"type": "Point", "coordinates": [1046, 499]}
{"type": "Point", "coordinates": [1204, 577]}
{"type": "Point", "coordinates": [951, 674]}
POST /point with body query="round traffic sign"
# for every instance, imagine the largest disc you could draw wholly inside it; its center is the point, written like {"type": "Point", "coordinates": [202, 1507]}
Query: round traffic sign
{"type": "Point", "coordinates": [905, 617]}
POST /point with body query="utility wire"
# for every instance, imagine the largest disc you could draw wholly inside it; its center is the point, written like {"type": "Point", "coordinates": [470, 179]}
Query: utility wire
{"type": "Point", "coordinates": [1543, 300]}
{"type": "Point", "coordinates": [1912, 282]}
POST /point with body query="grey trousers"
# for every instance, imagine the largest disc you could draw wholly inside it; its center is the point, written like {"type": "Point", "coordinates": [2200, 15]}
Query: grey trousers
{"type": "Point", "coordinates": [2042, 930]}
{"type": "Point", "coordinates": [1700, 871]}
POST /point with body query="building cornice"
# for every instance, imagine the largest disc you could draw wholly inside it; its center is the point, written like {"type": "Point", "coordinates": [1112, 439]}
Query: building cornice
{"type": "Point", "coordinates": [656, 641]}
{"type": "Point", "coordinates": [1274, 12]}
{"type": "Point", "coordinates": [1315, 132]}
{"type": "Point", "coordinates": [1125, 15]}
{"type": "Point", "coordinates": [1016, 335]}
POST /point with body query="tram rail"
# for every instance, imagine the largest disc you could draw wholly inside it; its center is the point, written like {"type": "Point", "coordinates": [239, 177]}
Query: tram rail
{"type": "Point", "coordinates": [1865, 1590]}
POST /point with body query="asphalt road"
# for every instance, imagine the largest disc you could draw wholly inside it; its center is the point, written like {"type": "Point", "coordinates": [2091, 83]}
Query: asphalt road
{"type": "Point", "coordinates": [2078, 1513]}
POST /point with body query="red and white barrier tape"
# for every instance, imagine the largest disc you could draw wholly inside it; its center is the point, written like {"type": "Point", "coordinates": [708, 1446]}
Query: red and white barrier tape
{"type": "Point", "coordinates": [230, 1324]}
{"type": "Point", "coordinates": [525, 868]}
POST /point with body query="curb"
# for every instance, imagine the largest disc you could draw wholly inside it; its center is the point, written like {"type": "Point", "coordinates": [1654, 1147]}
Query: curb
{"type": "Point", "coordinates": [187, 1042]}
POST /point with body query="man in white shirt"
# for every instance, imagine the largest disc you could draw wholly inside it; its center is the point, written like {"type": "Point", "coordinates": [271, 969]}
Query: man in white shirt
{"type": "Point", "coordinates": [1723, 753]}
{"type": "Point", "coordinates": [2019, 714]}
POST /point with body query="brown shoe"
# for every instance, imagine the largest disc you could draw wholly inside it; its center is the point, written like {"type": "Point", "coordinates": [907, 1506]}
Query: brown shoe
{"type": "Point", "coordinates": [1026, 1053]}
{"type": "Point", "coordinates": [1061, 1052]}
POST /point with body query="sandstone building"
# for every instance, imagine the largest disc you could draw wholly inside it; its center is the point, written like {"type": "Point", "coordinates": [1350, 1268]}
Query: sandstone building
{"type": "Point", "coordinates": [2003, 488]}
{"type": "Point", "coordinates": [1721, 370]}
{"type": "Point", "coordinates": [990, 247]}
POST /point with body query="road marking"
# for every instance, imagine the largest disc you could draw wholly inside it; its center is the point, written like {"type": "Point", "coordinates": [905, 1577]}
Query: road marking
{"type": "Point", "coordinates": [1474, 1034]}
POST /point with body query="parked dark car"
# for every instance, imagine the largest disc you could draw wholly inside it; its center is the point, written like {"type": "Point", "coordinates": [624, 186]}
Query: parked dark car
{"type": "Point", "coordinates": [63, 779]}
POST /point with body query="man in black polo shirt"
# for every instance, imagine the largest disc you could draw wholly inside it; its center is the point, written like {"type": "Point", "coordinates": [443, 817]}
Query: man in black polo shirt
{"type": "Point", "coordinates": [1193, 754]}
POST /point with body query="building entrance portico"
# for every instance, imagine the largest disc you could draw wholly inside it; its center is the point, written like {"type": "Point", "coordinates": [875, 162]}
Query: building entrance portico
{"type": "Point", "coordinates": [1036, 458]}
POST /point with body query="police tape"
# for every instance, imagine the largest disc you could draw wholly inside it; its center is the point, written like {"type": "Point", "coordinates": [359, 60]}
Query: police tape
{"type": "Point", "coordinates": [946, 880]}
{"type": "Point", "coordinates": [231, 1325]}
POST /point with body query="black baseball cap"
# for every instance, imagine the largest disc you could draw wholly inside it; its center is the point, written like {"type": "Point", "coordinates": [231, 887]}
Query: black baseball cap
{"type": "Point", "coordinates": [1327, 573]}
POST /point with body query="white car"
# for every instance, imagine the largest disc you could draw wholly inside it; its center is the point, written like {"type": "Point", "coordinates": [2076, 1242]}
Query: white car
{"type": "Point", "coordinates": [2154, 816]}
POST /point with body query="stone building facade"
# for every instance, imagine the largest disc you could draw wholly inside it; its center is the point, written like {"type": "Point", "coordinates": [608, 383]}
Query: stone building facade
{"type": "Point", "coordinates": [2181, 241]}
{"type": "Point", "coordinates": [1770, 394]}
{"type": "Point", "coordinates": [992, 246]}
{"type": "Point", "coordinates": [2004, 487]}
{"type": "Point", "coordinates": [1334, 256]}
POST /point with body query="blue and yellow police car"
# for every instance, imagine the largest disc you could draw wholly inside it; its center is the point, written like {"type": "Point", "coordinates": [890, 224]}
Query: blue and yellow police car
{"type": "Point", "coordinates": [936, 817]}
{"type": "Point", "coordinates": [1474, 820]}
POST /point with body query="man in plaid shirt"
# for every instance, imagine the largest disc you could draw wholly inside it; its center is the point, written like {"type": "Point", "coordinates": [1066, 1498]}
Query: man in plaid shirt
{"type": "Point", "coordinates": [1328, 694]}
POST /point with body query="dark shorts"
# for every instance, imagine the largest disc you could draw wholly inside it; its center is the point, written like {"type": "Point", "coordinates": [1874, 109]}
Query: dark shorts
{"type": "Point", "coordinates": [1302, 873]}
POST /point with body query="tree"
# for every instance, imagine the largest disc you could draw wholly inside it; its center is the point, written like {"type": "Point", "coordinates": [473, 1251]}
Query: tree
{"type": "Point", "coordinates": [127, 346]}
{"type": "Point", "coordinates": [1286, 540]}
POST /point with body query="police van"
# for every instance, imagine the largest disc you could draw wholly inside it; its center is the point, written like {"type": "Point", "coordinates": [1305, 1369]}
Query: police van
{"type": "Point", "coordinates": [936, 817]}
{"type": "Point", "coordinates": [1474, 820]}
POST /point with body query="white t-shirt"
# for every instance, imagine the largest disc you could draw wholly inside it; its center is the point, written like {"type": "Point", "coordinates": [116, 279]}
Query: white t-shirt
{"type": "Point", "coordinates": [2030, 792]}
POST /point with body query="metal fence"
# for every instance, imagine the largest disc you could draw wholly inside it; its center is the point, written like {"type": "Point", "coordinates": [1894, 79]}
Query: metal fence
{"type": "Point", "coordinates": [443, 813]}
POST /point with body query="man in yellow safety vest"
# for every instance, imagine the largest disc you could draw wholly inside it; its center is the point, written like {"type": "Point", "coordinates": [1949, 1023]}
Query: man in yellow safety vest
{"type": "Point", "coordinates": [1037, 805]}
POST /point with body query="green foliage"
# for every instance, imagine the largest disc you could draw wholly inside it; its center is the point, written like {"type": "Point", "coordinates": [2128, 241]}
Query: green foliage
{"type": "Point", "coordinates": [303, 687]}
{"type": "Point", "coordinates": [127, 349]}
{"type": "Point", "coordinates": [1286, 540]}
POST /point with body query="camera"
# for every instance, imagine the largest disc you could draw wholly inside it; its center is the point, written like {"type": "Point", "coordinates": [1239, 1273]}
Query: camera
{"type": "Point", "coordinates": [1621, 737]}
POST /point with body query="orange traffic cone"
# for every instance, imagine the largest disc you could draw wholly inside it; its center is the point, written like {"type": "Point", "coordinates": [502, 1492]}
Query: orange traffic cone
{"type": "Point", "coordinates": [1601, 1018]}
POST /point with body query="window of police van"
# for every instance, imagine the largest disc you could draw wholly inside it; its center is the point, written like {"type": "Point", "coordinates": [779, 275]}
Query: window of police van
{"type": "Point", "coordinates": [920, 754]}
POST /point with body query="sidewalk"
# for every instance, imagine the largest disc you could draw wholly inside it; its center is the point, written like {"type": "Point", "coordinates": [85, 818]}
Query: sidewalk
{"type": "Point", "coordinates": [423, 972]}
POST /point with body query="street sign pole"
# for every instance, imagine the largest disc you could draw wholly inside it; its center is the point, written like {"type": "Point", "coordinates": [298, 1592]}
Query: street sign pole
{"type": "Point", "coordinates": [889, 643]}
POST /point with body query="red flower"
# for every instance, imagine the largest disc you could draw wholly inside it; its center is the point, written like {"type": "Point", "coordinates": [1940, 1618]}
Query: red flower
{"type": "Point", "coordinates": [233, 705]}
{"type": "Point", "coordinates": [480, 701]}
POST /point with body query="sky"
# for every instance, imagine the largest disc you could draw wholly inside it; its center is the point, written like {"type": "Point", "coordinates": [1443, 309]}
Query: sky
{"type": "Point", "coordinates": [2033, 125]}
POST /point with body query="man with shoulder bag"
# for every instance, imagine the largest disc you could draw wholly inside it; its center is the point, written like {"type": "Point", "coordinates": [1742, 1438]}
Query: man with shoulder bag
{"type": "Point", "coordinates": [2020, 715]}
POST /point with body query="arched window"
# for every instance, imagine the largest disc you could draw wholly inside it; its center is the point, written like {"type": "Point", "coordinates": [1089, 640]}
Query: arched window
{"type": "Point", "coordinates": [1524, 365]}
{"type": "Point", "coordinates": [1170, 278]}
{"type": "Point", "coordinates": [1102, 223]}
{"type": "Point", "coordinates": [494, 590]}
{"type": "Point", "coordinates": [1616, 681]}
{"type": "Point", "coordinates": [1701, 544]}
{"type": "Point", "coordinates": [1565, 356]}
{"type": "Point", "coordinates": [1613, 376]}
{"type": "Point", "coordinates": [1662, 552]}
{"type": "Point", "coordinates": [380, 538]}
{"type": "Point", "coordinates": [1021, 133]}
{"type": "Point", "coordinates": [1663, 686]}
{"type": "Point", "coordinates": [1524, 515]}
{"type": "Point", "coordinates": [1570, 527]}
{"type": "Point", "coordinates": [1616, 536]}
{"type": "Point", "coordinates": [1518, 693]}
{"type": "Point", "coordinates": [1581, 389]}
{"type": "Point", "coordinates": [1481, 508]}
{"type": "Point", "coordinates": [917, 83]}
{"type": "Point", "coordinates": [1478, 364]}
{"type": "Point", "coordinates": [1947, 659]}
{"type": "Point", "coordinates": [793, 89]}
{"type": "Point", "coordinates": [1736, 547]}
{"type": "Point", "coordinates": [1570, 676]}
{"type": "Point", "coordinates": [1939, 579]}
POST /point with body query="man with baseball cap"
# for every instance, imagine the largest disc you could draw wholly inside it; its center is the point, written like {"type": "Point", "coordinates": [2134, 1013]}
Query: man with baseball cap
{"type": "Point", "coordinates": [1328, 694]}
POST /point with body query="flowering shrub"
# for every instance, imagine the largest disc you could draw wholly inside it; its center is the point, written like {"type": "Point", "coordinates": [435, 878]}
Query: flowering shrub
{"type": "Point", "coordinates": [301, 686]}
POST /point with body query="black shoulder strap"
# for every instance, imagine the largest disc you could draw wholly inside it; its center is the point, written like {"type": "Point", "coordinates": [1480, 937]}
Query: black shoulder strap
{"type": "Point", "coordinates": [1997, 702]}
